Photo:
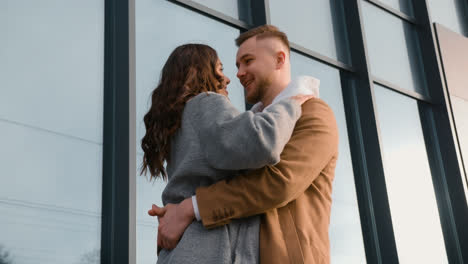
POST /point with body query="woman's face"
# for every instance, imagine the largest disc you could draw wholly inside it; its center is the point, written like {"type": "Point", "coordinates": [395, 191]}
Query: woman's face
{"type": "Point", "coordinates": [226, 81]}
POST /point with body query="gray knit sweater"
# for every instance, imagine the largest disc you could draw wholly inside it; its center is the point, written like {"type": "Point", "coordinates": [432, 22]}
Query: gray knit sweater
{"type": "Point", "coordinates": [215, 142]}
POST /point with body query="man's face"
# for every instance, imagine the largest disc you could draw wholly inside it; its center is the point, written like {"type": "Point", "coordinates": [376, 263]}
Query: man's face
{"type": "Point", "coordinates": [255, 64]}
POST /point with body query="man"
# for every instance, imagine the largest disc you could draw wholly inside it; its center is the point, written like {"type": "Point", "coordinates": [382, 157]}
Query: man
{"type": "Point", "coordinates": [293, 196]}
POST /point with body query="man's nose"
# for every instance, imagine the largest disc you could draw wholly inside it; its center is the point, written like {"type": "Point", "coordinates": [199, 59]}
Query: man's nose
{"type": "Point", "coordinates": [240, 72]}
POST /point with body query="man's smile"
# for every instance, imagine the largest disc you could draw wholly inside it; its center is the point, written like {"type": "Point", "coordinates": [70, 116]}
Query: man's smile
{"type": "Point", "coordinates": [246, 83]}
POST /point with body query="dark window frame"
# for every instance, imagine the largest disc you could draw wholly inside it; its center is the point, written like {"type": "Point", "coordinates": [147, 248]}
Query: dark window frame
{"type": "Point", "coordinates": [116, 150]}
{"type": "Point", "coordinates": [393, 11]}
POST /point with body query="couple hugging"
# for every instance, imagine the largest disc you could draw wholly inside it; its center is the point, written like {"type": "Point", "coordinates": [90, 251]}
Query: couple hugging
{"type": "Point", "coordinates": [251, 187]}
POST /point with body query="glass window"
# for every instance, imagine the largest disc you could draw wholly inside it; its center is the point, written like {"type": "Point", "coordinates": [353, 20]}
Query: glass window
{"type": "Point", "coordinates": [393, 49]}
{"type": "Point", "coordinates": [345, 226]}
{"type": "Point", "coordinates": [408, 178]}
{"type": "Point", "coordinates": [450, 13]}
{"type": "Point", "coordinates": [51, 116]}
{"type": "Point", "coordinates": [239, 9]}
{"type": "Point", "coordinates": [454, 55]}
{"type": "Point", "coordinates": [155, 40]}
{"type": "Point", "coordinates": [460, 113]}
{"type": "Point", "coordinates": [315, 25]}
{"type": "Point", "coordinates": [404, 6]}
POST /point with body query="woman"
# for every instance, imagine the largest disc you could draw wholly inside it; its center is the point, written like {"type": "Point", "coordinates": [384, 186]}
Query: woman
{"type": "Point", "coordinates": [193, 127]}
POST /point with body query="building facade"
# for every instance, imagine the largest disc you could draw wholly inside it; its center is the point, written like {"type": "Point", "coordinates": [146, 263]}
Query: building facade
{"type": "Point", "coordinates": [75, 82]}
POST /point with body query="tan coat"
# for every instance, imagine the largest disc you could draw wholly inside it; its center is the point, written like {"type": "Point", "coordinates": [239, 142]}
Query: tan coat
{"type": "Point", "coordinates": [293, 195]}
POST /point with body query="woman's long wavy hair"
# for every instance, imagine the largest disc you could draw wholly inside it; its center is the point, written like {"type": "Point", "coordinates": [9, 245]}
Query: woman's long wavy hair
{"type": "Point", "coordinates": [189, 71]}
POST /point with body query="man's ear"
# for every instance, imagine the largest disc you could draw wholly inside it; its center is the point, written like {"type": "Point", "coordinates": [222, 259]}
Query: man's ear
{"type": "Point", "coordinates": [280, 59]}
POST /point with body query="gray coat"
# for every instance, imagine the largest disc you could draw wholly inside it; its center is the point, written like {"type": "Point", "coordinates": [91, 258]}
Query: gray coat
{"type": "Point", "coordinates": [215, 142]}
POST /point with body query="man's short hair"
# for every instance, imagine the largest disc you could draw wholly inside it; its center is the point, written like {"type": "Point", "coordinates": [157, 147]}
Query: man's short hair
{"type": "Point", "coordinates": [262, 32]}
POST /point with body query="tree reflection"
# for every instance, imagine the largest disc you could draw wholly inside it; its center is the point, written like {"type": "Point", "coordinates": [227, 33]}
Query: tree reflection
{"type": "Point", "coordinates": [5, 257]}
{"type": "Point", "coordinates": [91, 257]}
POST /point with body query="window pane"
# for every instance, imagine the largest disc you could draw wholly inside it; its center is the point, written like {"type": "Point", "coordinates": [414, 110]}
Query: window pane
{"type": "Point", "coordinates": [405, 6]}
{"type": "Point", "coordinates": [51, 105]}
{"type": "Point", "coordinates": [408, 178]}
{"type": "Point", "coordinates": [155, 40]}
{"type": "Point", "coordinates": [315, 25]}
{"type": "Point", "coordinates": [450, 13]}
{"type": "Point", "coordinates": [460, 113]}
{"type": "Point", "coordinates": [393, 49]}
{"type": "Point", "coordinates": [345, 227]}
{"type": "Point", "coordinates": [454, 54]}
{"type": "Point", "coordinates": [239, 9]}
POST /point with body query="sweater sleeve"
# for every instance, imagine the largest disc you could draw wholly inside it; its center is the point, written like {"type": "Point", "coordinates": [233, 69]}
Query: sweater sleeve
{"type": "Point", "coordinates": [313, 145]}
{"type": "Point", "coordinates": [232, 140]}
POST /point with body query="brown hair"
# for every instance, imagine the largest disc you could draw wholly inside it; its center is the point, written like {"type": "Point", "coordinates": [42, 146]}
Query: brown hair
{"type": "Point", "coordinates": [189, 71]}
{"type": "Point", "coordinates": [262, 32]}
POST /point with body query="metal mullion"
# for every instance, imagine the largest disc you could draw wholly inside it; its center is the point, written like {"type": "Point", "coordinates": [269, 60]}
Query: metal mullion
{"type": "Point", "coordinates": [366, 150]}
{"type": "Point", "coordinates": [465, 9]}
{"type": "Point", "coordinates": [132, 132]}
{"type": "Point", "coordinates": [322, 58]}
{"type": "Point", "coordinates": [204, 10]}
{"type": "Point", "coordinates": [260, 12]}
{"type": "Point", "coordinates": [405, 92]}
{"type": "Point", "coordinates": [466, 18]}
{"type": "Point", "coordinates": [393, 11]}
{"type": "Point", "coordinates": [361, 175]}
{"type": "Point", "coordinates": [115, 183]}
{"type": "Point", "coordinates": [451, 199]}
{"type": "Point", "coordinates": [267, 11]}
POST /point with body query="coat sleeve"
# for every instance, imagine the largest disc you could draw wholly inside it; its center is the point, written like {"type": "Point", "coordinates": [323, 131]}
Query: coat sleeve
{"type": "Point", "coordinates": [232, 140]}
{"type": "Point", "coordinates": [312, 147]}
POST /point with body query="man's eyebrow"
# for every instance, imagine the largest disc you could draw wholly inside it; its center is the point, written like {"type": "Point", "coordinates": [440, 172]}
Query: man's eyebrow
{"type": "Point", "coordinates": [245, 55]}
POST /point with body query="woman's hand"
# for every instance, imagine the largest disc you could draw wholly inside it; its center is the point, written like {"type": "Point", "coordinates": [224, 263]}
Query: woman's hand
{"type": "Point", "coordinates": [302, 98]}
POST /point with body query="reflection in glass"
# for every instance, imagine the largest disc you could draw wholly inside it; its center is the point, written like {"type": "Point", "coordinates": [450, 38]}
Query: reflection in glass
{"type": "Point", "coordinates": [147, 227]}
{"type": "Point", "coordinates": [450, 13]}
{"type": "Point", "coordinates": [239, 9]}
{"type": "Point", "coordinates": [393, 48]}
{"type": "Point", "coordinates": [315, 25]}
{"type": "Point", "coordinates": [51, 65]}
{"type": "Point", "coordinates": [5, 255]}
{"type": "Point", "coordinates": [155, 40]}
{"type": "Point", "coordinates": [405, 6]}
{"type": "Point", "coordinates": [460, 113]}
{"type": "Point", "coordinates": [454, 54]}
{"type": "Point", "coordinates": [345, 227]}
{"type": "Point", "coordinates": [51, 115]}
{"type": "Point", "coordinates": [408, 178]}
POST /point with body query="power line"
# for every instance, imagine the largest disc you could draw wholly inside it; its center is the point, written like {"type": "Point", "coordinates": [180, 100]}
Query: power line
{"type": "Point", "coordinates": [49, 207]}
{"type": "Point", "coordinates": [49, 131]}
